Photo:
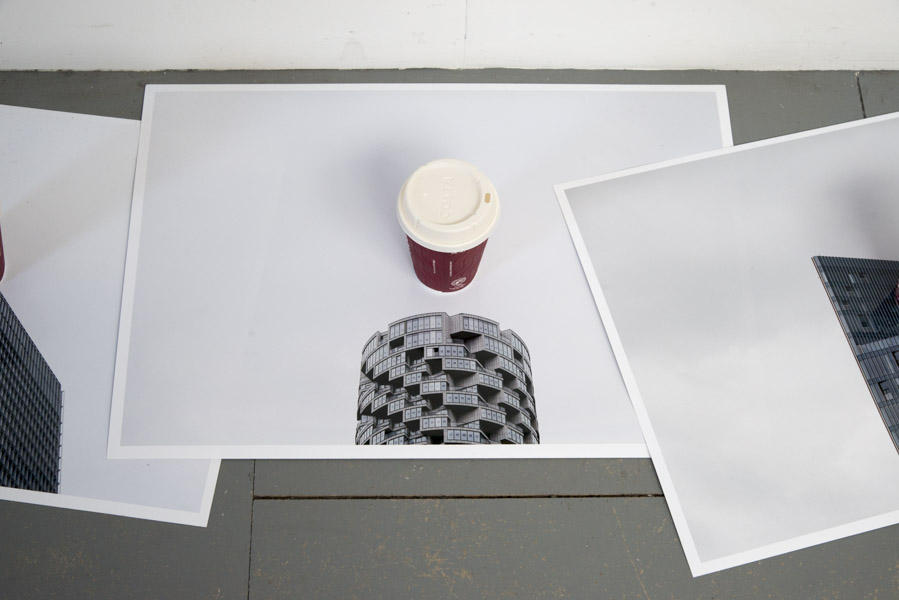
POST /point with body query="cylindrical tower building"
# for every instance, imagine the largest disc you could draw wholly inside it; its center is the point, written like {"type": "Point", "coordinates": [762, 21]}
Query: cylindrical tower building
{"type": "Point", "coordinates": [440, 379]}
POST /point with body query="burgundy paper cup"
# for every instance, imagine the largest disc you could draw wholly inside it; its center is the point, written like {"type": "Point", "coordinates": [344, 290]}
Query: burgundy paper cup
{"type": "Point", "coordinates": [447, 208]}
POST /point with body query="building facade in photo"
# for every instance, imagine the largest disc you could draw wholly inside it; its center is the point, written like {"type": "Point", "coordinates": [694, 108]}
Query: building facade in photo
{"type": "Point", "coordinates": [30, 411]}
{"type": "Point", "coordinates": [865, 297]}
{"type": "Point", "coordinates": [440, 379]}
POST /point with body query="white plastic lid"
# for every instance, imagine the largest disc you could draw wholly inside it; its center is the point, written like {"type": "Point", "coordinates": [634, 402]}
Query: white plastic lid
{"type": "Point", "coordinates": [448, 205]}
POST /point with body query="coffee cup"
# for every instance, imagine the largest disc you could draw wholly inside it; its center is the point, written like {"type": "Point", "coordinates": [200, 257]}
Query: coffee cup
{"type": "Point", "coordinates": [447, 208]}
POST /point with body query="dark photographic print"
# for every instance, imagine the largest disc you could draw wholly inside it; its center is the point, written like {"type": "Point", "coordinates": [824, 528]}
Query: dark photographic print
{"type": "Point", "coordinates": [30, 411]}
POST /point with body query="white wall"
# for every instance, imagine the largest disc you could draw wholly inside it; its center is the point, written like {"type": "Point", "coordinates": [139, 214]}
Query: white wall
{"type": "Point", "coordinates": [281, 34]}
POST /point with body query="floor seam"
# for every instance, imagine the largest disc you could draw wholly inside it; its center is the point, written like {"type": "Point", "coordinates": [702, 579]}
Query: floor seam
{"type": "Point", "coordinates": [250, 549]}
{"type": "Point", "coordinates": [457, 497]}
{"type": "Point", "coordinates": [861, 96]}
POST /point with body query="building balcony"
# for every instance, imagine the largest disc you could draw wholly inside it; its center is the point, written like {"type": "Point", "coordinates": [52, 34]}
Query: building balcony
{"type": "Point", "coordinates": [489, 414]}
{"type": "Point", "coordinates": [432, 387]}
{"type": "Point", "coordinates": [447, 350]}
{"type": "Point", "coordinates": [413, 379]}
{"type": "Point", "coordinates": [527, 428]}
{"type": "Point", "coordinates": [525, 399]}
{"type": "Point", "coordinates": [479, 325]}
{"type": "Point", "coordinates": [394, 408]}
{"type": "Point", "coordinates": [397, 438]}
{"type": "Point", "coordinates": [379, 405]}
{"type": "Point", "coordinates": [507, 435]}
{"type": "Point", "coordinates": [491, 381]}
{"type": "Point", "coordinates": [506, 366]}
{"type": "Point", "coordinates": [463, 436]}
{"type": "Point", "coordinates": [397, 373]}
{"type": "Point", "coordinates": [365, 406]}
{"type": "Point", "coordinates": [432, 423]}
{"type": "Point", "coordinates": [422, 338]}
{"type": "Point", "coordinates": [509, 401]}
{"type": "Point", "coordinates": [411, 416]}
{"type": "Point", "coordinates": [460, 364]}
{"type": "Point", "coordinates": [520, 418]}
{"type": "Point", "coordinates": [461, 399]}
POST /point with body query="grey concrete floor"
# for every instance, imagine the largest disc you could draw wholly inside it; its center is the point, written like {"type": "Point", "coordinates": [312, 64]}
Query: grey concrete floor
{"type": "Point", "coordinates": [442, 529]}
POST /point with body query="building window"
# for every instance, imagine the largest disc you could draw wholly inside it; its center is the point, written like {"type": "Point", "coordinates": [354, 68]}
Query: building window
{"type": "Point", "coordinates": [885, 390]}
